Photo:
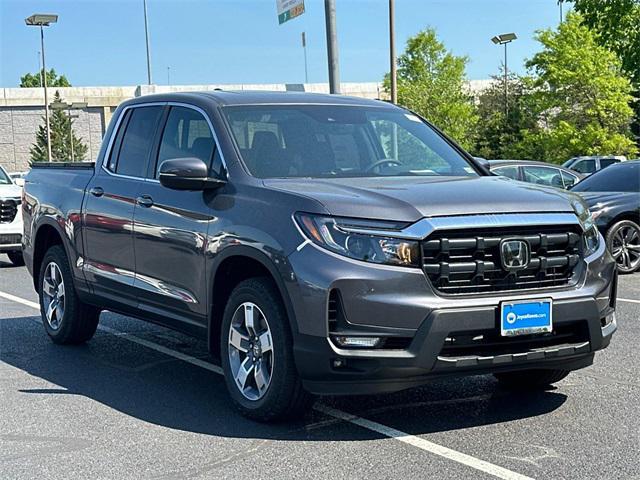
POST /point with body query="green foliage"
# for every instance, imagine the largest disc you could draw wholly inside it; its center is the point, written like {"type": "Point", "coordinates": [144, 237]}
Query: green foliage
{"type": "Point", "coordinates": [61, 129]}
{"type": "Point", "coordinates": [500, 129]}
{"type": "Point", "coordinates": [432, 83]}
{"type": "Point", "coordinates": [581, 97]}
{"type": "Point", "coordinates": [617, 25]}
{"type": "Point", "coordinates": [31, 80]}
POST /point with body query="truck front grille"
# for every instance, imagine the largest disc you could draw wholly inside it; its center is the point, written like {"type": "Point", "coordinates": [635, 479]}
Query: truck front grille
{"type": "Point", "coordinates": [469, 262]}
{"type": "Point", "coordinates": [8, 210]}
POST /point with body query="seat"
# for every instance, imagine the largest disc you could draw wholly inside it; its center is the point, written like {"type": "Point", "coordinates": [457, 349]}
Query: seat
{"type": "Point", "coordinates": [202, 148]}
{"type": "Point", "coordinates": [268, 157]}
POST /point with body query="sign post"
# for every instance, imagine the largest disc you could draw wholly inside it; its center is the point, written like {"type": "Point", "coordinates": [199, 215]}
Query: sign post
{"type": "Point", "coordinates": [289, 9]}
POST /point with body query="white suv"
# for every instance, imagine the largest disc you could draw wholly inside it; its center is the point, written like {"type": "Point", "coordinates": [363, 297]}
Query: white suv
{"type": "Point", "coordinates": [10, 218]}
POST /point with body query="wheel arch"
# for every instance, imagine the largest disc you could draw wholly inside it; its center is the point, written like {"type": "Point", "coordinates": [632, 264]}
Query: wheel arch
{"type": "Point", "coordinates": [232, 266]}
{"type": "Point", "coordinates": [47, 235]}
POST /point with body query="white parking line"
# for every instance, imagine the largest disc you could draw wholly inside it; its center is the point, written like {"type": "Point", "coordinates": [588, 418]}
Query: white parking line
{"type": "Point", "coordinates": [628, 300]}
{"type": "Point", "coordinates": [389, 432]}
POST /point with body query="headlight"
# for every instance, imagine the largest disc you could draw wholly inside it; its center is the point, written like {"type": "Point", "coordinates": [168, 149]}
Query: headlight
{"type": "Point", "coordinates": [591, 236]}
{"type": "Point", "coordinates": [335, 235]}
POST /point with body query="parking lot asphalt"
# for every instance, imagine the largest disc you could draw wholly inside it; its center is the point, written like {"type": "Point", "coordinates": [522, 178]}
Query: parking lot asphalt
{"type": "Point", "coordinates": [141, 401]}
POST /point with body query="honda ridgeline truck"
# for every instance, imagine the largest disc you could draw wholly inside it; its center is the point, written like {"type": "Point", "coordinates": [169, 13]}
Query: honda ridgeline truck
{"type": "Point", "coordinates": [321, 245]}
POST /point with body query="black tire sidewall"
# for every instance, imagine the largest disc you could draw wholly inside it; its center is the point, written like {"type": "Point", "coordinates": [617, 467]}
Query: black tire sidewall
{"type": "Point", "coordinates": [284, 376]}
{"type": "Point", "coordinates": [57, 255]}
{"type": "Point", "coordinates": [609, 240]}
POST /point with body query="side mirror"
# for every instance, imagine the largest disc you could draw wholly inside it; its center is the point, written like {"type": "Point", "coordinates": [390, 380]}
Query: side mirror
{"type": "Point", "coordinates": [188, 173]}
{"type": "Point", "coordinates": [483, 163]}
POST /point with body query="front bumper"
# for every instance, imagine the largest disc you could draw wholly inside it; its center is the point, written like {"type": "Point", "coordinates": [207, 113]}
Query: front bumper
{"type": "Point", "coordinates": [11, 234]}
{"type": "Point", "coordinates": [400, 303]}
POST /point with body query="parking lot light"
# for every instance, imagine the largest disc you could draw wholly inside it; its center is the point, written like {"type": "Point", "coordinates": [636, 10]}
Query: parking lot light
{"type": "Point", "coordinates": [505, 39]}
{"type": "Point", "coordinates": [43, 20]}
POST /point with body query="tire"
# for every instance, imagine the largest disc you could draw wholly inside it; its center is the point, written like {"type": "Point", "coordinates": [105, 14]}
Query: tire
{"type": "Point", "coordinates": [71, 321]}
{"type": "Point", "coordinates": [623, 241]}
{"type": "Point", "coordinates": [530, 379]}
{"type": "Point", "coordinates": [276, 393]}
{"type": "Point", "coordinates": [16, 258]}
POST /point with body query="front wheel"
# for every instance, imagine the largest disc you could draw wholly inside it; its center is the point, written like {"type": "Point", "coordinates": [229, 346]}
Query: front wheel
{"type": "Point", "coordinates": [530, 379]}
{"type": "Point", "coordinates": [65, 318]}
{"type": "Point", "coordinates": [623, 241]}
{"type": "Point", "coordinates": [257, 354]}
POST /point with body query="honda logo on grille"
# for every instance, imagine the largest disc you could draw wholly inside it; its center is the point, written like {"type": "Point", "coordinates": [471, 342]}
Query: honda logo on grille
{"type": "Point", "coordinates": [515, 254]}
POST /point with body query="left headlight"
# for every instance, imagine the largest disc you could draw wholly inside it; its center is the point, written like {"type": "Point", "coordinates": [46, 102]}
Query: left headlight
{"type": "Point", "coordinates": [338, 235]}
{"type": "Point", "coordinates": [591, 236]}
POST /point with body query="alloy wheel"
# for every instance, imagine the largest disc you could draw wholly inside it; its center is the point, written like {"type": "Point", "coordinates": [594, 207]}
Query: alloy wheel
{"type": "Point", "coordinates": [250, 351]}
{"type": "Point", "coordinates": [625, 247]}
{"type": "Point", "coordinates": [53, 294]}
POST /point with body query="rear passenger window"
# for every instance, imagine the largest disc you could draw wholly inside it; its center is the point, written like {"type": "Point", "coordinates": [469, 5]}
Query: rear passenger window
{"type": "Point", "coordinates": [605, 162]}
{"type": "Point", "coordinates": [186, 134]}
{"type": "Point", "coordinates": [137, 141]}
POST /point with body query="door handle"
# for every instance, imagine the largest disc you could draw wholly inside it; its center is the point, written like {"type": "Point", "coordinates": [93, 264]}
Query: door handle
{"type": "Point", "coordinates": [96, 191]}
{"type": "Point", "coordinates": [145, 201]}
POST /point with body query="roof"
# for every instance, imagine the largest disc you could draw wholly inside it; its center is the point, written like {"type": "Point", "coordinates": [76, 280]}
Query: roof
{"type": "Point", "coordinates": [521, 162]}
{"type": "Point", "coordinates": [249, 97]}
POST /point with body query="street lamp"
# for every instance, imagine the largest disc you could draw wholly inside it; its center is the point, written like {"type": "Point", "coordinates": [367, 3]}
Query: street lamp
{"type": "Point", "coordinates": [560, 2]}
{"type": "Point", "coordinates": [69, 107]}
{"type": "Point", "coordinates": [505, 39]}
{"type": "Point", "coordinates": [146, 34]}
{"type": "Point", "coordinates": [43, 20]}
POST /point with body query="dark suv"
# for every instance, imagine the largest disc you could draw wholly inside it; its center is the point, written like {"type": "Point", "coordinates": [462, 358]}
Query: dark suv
{"type": "Point", "coordinates": [321, 245]}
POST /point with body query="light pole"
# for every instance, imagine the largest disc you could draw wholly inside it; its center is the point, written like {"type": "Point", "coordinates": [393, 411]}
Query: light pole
{"type": "Point", "coordinates": [69, 107]}
{"type": "Point", "coordinates": [43, 20]}
{"type": "Point", "coordinates": [560, 2]}
{"type": "Point", "coordinates": [392, 52]}
{"type": "Point", "coordinates": [505, 39]}
{"type": "Point", "coordinates": [304, 48]}
{"type": "Point", "coordinates": [146, 34]}
{"type": "Point", "coordinates": [332, 45]}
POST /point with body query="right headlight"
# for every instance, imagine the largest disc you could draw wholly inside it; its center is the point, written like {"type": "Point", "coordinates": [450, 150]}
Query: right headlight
{"type": "Point", "coordinates": [338, 235]}
{"type": "Point", "coordinates": [591, 236]}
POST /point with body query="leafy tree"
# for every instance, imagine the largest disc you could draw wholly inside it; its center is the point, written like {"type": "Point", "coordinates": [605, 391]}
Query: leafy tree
{"type": "Point", "coordinates": [432, 82]}
{"type": "Point", "coordinates": [500, 129]}
{"type": "Point", "coordinates": [581, 97]}
{"type": "Point", "coordinates": [61, 130]}
{"type": "Point", "coordinates": [617, 25]}
{"type": "Point", "coordinates": [31, 80]}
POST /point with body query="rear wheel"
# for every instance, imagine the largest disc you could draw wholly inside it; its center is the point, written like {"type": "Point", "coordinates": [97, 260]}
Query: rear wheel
{"type": "Point", "coordinates": [257, 354]}
{"type": "Point", "coordinates": [530, 379]}
{"type": "Point", "coordinates": [623, 241]}
{"type": "Point", "coordinates": [65, 318]}
{"type": "Point", "coordinates": [16, 258]}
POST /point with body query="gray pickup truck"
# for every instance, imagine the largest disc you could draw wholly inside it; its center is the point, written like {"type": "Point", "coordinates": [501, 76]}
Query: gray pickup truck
{"type": "Point", "coordinates": [321, 245]}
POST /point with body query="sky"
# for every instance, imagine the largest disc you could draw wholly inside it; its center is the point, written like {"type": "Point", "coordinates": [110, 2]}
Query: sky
{"type": "Point", "coordinates": [101, 42]}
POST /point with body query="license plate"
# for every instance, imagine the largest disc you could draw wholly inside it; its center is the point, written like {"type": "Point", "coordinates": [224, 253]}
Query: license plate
{"type": "Point", "coordinates": [526, 317]}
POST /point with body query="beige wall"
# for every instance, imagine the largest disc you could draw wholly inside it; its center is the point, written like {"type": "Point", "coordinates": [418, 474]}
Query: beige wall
{"type": "Point", "coordinates": [22, 111]}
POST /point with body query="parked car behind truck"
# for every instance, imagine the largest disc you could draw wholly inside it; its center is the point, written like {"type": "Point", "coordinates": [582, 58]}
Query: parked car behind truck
{"type": "Point", "coordinates": [314, 253]}
{"type": "Point", "coordinates": [10, 218]}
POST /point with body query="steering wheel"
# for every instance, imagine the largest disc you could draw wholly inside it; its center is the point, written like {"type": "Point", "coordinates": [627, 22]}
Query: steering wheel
{"type": "Point", "coordinates": [384, 161]}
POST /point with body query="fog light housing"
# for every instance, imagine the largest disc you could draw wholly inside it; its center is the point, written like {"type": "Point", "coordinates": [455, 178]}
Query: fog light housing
{"type": "Point", "coordinates": [609, 319]}
{"type": "Point", "coordinates": [357, 342]}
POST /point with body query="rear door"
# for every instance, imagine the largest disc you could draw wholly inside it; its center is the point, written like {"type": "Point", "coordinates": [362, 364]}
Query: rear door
{"type": "Point", "coordinates": [110, 202]}
{"type": "Point", "coordinates": [170, 226]}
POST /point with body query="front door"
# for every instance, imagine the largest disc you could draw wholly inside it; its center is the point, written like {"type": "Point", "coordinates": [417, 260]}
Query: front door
{"type": "Point", "coordinates": [170, 227]}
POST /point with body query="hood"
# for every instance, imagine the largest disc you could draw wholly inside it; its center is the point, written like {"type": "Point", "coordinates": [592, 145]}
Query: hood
{"type": "Point", "coordinates": [409, 199]}
{"type": "Point", "coordinates": [10, 191]}
{"type": "Point", "coordinates": [602, 199]}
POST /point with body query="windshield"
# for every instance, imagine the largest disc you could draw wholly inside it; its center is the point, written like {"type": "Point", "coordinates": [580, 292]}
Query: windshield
{"type": "Point", "coordinates": [618, 178]}
{"type": "Point", "coordinates": [321, 141]}
{"type": "Point", "coordinates": [4, 178]}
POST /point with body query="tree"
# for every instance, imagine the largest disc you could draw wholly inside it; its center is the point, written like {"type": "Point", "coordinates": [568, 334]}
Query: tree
{"type": "Point", "coordinates": [432, 83]}
{"type": "Point", "coordinates": [500, 130]}
{"type": "Point", "coordinates": [581, 97]}
{"type": "Point", "coordinates": [61, 137]}
{"type": "Point", "coordinates": [31, 80]}
{"type": "Point", "coordinates": [617, 27]}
